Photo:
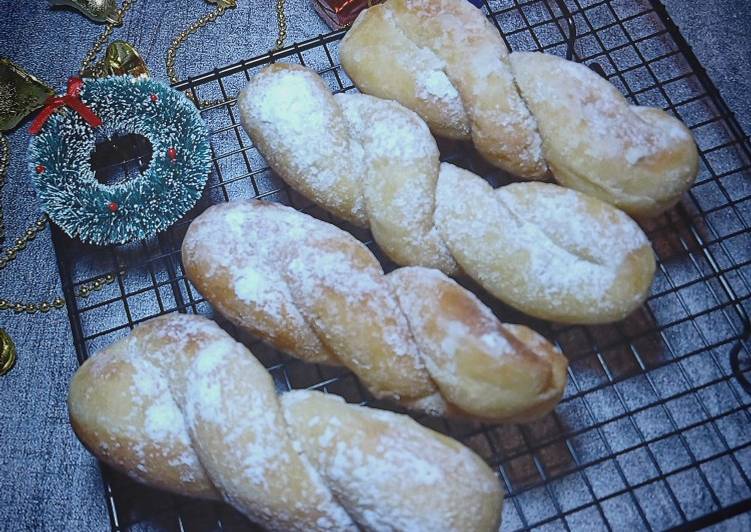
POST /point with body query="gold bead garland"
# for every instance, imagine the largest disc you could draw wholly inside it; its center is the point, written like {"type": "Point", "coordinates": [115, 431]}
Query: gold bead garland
{"type": "Point", "coordinates": [10, 254]}
{"type": "Point", "coordinates": [7, 349]}
{"type": "Point", "coordinates": [219, 10]}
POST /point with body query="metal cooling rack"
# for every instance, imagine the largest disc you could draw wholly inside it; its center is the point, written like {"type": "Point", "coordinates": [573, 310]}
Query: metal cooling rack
{"type": "Point", "coordinates": [655, 429]}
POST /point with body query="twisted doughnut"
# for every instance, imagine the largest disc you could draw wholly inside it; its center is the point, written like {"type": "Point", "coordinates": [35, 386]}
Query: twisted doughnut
{"type": "Point", "coordinates": [180, 405]}
{"type": "Point", "coordinates": [563, 256]}
{"type": "Point", "coordinates": [383, 176]}
{"type": "Point", "coordinates": [524, 112]}
{"type": "Point", "coordinates": [414, 335]}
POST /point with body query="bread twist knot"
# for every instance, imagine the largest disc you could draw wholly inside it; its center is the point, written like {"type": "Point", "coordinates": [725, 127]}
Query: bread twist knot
{"type": "Point", "coordinates": [550, 252]}
{"type": "Point", "coordinates": [526, 113]}
{"type": "Point", "coordinates": [178, 404]}
{"type": "Point", "coordinates": [413, 336]}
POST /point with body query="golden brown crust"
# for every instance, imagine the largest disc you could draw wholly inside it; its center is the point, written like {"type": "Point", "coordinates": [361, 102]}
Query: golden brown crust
{"type": "Point", "coordinates": [100, 404]}
{"type": "Point", "coordinates": [395, 465]}
{"type": "Point", "coordinates": [179, 405]}
{"type": "Point", "coordinates": [280, 324]}
{"type": "Point", "coordinates": [550, 252]}
{"type": "Point", "coordinates": [350, 149]}
{"type": "Point", "coordinates": [279, 261]}
{"type": "Point", "coordinates": [415, 76]}
{"type": "Point", "coordinates": [484, 368]}
{"type": "Point", "coordinates": [639, 159]}
{"type": "Point", "coordinates": [399, 333]}
{"type": "Point", "coordinates": [526, 112]}
{"type": "Point", "coordinates": [406, 191]}
{"type": "Point", "coordinates": [465, 80]}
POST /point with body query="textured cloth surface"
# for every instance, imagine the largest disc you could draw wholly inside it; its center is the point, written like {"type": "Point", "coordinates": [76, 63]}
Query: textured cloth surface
{"type": "Point", "coordinates": [47, 480]}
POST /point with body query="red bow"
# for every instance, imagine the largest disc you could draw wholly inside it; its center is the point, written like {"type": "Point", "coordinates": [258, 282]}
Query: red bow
{"type": "Point", "coordinates": [71, 99]}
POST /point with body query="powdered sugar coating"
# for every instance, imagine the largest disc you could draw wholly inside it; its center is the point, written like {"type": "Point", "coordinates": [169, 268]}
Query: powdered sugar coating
{"type": "Point", "coordinates": [400, 163]}
{"type": "Point", "coordinates": [401, 171]}
{"type": "Point", "coordinates": [638, 158]}
{"type": "Point", "coordinates": [549, 251]}
{"type": "Point", "coordinates": [250, 451]}
{"type": "Point", "coordinates": [292, 118]}
{"type": "Point", "coordinates": [417, 78]}
{"type": "Point", "coordinates": [503, 130]}
{"type": "Point", "coordinates": [242, 438]}
{"type": "Point", "coordinates": [589, 113]}
{"type": "Point", "coordinates": [223, 416]}
{"type": "Point", "coordinates": [386, 475]}
{"type": "Point", "coordinates": [328, 288]}
{"type": "Point", "coordinates": [150, 436]}
{"type": "Point", "coordinates": [436, 85]}
{"type": "Point", "coordinates": [468, 59]}
{"type": "Point", "coordinates": [339, 290]}
{"type": "Point", "coordinates": [240, 275]}
{"type": "Point", "coordinates": [526, 112]}
{"type": "Point", "coordinates": [383, 151]}
{"type": "Point", "coordinates": [515, 373]}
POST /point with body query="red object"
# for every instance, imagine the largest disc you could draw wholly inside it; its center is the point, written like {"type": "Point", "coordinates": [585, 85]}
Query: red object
{"type": "Point", "coordinates": [40, 169]}
{"type": "Point", "coordinates": [71, 99]}
{"type": "Point", "coordinates": [113, 206]}
{"type": "Point", "coordinates": [154, 98]}
{"type": "Point", "coordinates": [172, 153]}
{"type": "Point", "coordinates": [341, 13]}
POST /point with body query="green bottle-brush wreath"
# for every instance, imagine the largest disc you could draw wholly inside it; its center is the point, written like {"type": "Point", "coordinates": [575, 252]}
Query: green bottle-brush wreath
{"type": "Point", "coordinates": [98, 213]}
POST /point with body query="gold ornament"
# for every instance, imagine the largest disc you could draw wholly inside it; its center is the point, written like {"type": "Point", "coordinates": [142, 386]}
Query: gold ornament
{"type": "Point", "coordinates": [20, 94]}
{"type": "Point", "coordinates": [224, 4]}
{"type": "Point", "coordinates": [7, 352]}
{"type": "Point", "coordinates": [120, 59]}
{"type": "Point", "coordinates": [97, 10]}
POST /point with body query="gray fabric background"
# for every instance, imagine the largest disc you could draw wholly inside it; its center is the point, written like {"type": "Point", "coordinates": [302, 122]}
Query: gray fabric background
{"type": "Point", "coordinates": [47, 480]}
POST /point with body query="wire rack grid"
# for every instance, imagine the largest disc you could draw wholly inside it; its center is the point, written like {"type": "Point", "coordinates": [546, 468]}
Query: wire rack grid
{"type": "Point", "coordinates": [654, 431]}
